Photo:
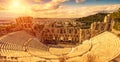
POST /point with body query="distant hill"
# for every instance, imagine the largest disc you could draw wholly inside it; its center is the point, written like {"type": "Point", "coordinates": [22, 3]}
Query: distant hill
{"type": "Point", "coordinates": [93, 18]}
{"type": "Point", "coordinates": [90, 19]}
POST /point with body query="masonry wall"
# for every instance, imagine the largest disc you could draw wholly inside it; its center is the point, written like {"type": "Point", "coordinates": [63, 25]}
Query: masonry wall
{"type": "Point", "coordinates": [97, 28]}
{"type": "Point", "coordinates": [64, 32]}
{"type": "Point", "coordinates": [74, 34]}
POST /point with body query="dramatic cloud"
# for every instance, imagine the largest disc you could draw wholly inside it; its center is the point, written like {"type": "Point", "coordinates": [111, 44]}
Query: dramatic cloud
{"type": "Point", "coordinates": [80, 1]}
{"type": "Point", "coordinates": [53, 4]}
{"type": "Point", "coordinates": [77, 12]}
{"type": "Point", "coordinates": [38, 0]}
{"type": "Point", "coordinates": [56, 8]}
{"type": "Point", "coordinates": [39, 6]}
{"type": "Point", "coordinates": [2, 8]}
{"type": "Point", "coordinates": [90, 10]}
{"type": "Point", "coordinates": [86, 11]}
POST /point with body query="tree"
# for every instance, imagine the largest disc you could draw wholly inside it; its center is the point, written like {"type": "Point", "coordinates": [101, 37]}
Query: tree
{"type": "Point", "coordinates": [116, 16]}
{"type": "Point", "coordinates": [87, 21]}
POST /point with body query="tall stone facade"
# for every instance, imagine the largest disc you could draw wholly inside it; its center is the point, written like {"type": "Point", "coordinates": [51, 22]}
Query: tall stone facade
{"type": "Point", "coordinates": [97, 28]}
{"type": "Point", "coordinates": [25, 23]}
{"type": "Point", "coordinates": [62, 32]}
{"type": "Point", "coordinates": [71, 32]}
{"type": "Point", "coordinates": [68, 31]}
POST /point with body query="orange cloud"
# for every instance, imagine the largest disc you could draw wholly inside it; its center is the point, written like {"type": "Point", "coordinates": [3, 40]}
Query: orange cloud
{"type": "Point", "coordinates": [80, 1]}
{"type": "Point", "coordinates": [54, 8]}
{"type": "Point", "coordinates": [1, 8]}
{"type": "Point", "coordinates": [76, 12]}
{"type": "Point", "coordinates": [38, 0]}
{"type": "Point", "coordinates": [53, 4]}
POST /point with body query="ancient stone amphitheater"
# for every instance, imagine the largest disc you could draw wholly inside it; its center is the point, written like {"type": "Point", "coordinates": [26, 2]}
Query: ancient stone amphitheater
{"type": "Point", "coordinates": [22, 47]}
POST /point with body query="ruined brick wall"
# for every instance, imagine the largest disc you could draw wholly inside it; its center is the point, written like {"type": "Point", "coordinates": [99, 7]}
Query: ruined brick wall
{"type": "Point", "coordinates": [97, 28]}
{"type": "Point", "coordinates": [64, 32]}
{"type": "Point", "coordinates": [24, 22]}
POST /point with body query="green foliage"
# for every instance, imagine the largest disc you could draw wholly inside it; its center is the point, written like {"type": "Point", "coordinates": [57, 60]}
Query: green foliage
{"type": "Point", "coordinates": [117, 24]}
{"type": "Point", "coordinates": [93, 18]}
{"type": "Point", "coordinates": [90, 19]}
{"type": "Point", "coordinates": [116, 16]}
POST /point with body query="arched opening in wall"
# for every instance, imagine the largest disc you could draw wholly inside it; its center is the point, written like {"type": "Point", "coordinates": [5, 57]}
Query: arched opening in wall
{"type": "Point", "coordinates": [52, 30]}
{"type": "Point", "coordinates": [61, 31]}
{"type": "Point", "coordinates": [96, 27]}
{"type": "Point", "coordinates": [109, 27]}
{"type": "Point", "coordinates": [64, 31]}
{"type": "Point", "coordinates": [103, 28]}
{"type": "Point", "coordinates": [75, 31]}
{"type": "Point", "coordinates": [70, 31]}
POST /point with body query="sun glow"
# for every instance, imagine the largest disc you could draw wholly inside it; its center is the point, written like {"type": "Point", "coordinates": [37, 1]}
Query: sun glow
{"type": "Point", "coordinates": [18, 6]}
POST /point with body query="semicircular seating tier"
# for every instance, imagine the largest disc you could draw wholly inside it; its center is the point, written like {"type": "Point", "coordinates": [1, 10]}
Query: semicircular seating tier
{"type": "Point", "coordinates": [104, 48]}
{"type": "Point", "coordinates": [19, 45]}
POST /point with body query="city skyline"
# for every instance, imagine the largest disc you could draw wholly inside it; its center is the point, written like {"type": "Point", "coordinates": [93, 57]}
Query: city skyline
{"type": "Point", "coordinates": [56, 8]}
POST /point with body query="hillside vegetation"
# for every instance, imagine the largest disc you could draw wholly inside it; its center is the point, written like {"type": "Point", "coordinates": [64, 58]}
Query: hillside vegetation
{"type": "Point", "coordinates": [92, 18]}
{"type": "Point", "coordinates": [100, 18]}
{"type": "Point", "coordinates": [116, 16]}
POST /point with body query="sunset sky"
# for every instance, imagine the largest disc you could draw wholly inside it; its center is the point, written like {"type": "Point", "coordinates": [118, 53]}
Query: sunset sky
{"type": "Point", "coordinates": [56, 8]}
